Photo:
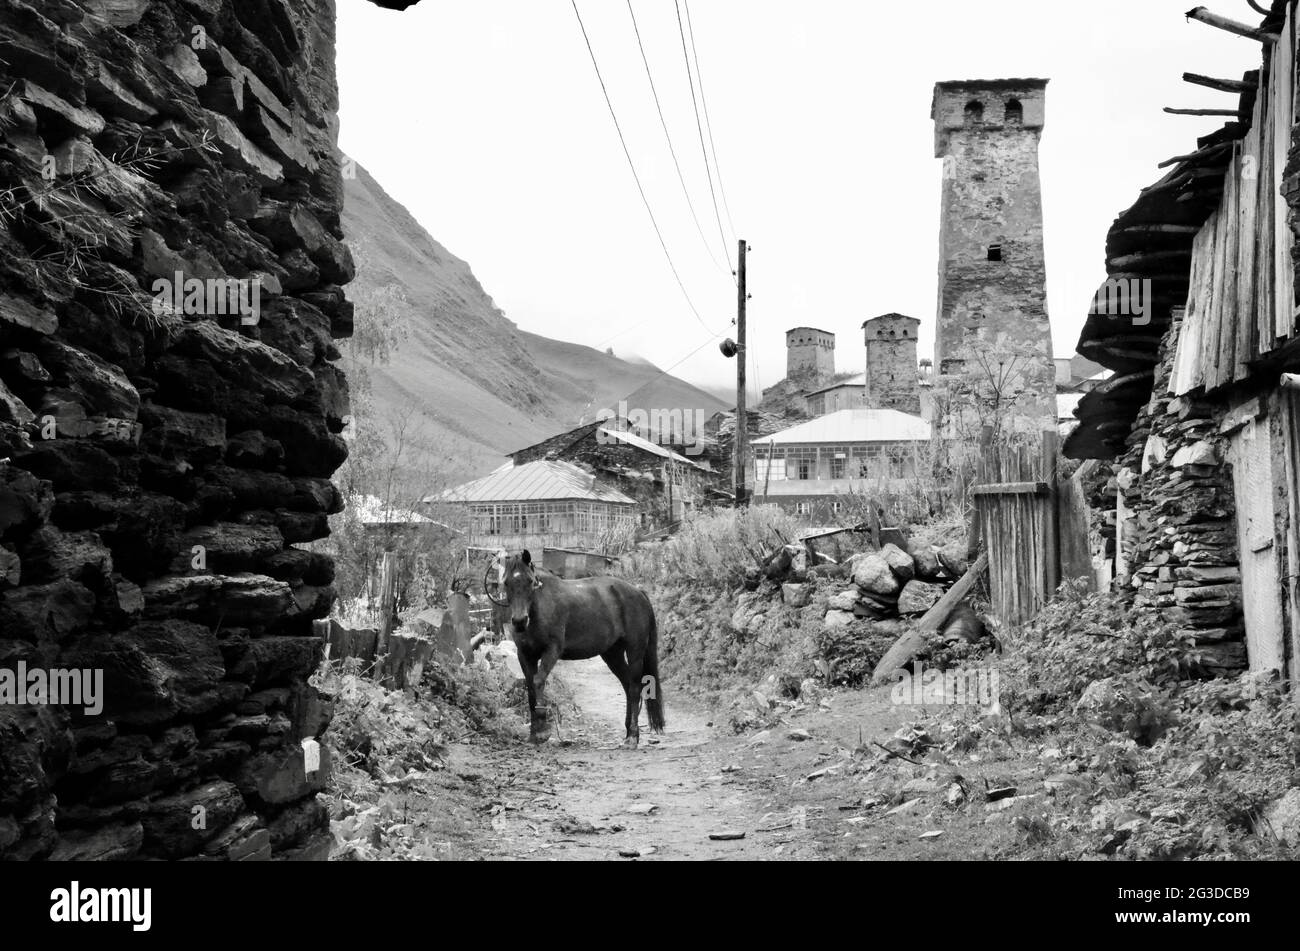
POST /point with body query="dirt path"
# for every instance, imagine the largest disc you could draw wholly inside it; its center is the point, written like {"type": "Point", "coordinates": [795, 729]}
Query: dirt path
{"type": "Point", "coordinates": [811, 786]}
{"type": "Point", "coordinates": [581, 796]}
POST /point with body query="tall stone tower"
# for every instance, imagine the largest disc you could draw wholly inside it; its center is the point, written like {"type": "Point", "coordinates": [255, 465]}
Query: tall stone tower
{"type": "Point", "coordinates": [809, 353]}
{"type": "Point", "coordinates": [992, 334]}
{"type": "Point", "coordinates": [891, 377]}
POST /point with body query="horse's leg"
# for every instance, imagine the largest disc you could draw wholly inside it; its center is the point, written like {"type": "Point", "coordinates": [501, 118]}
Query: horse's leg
{"type": "Point", "coordinates": [617, 664]}
{"type": "Point", "coordinates": [635, 670]}
{"type": "Point", "coordinates": [545, 664]}
{"type": "Point", "coordinates": [529, 667]}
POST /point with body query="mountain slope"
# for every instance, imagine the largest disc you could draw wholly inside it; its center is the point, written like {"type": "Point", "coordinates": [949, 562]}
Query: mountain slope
{"type": "Point", "coordinates": [477, 385]}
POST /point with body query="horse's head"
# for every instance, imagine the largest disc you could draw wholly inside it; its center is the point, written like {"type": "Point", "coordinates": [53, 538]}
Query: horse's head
{"type": "Point", "coordinates": [520, 582]}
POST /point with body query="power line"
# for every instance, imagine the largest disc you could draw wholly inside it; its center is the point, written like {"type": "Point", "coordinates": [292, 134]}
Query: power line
{"type": "Point", "coordinates": [608, 102]}
{"type": "Point", "coordinates": [700, 129]}
{"type": "Point", "coordinates": [677, 363]}
{"type": "Point", "coordinates": [668, 137]}
{"type": "Point", "coordinates": [707, 121]}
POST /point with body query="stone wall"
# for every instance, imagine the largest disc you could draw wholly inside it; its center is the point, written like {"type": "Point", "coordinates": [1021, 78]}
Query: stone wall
{"type": "Point", "coordinates": [1178, 533]}
{"type": "Point", "coordinates": [162, 464]}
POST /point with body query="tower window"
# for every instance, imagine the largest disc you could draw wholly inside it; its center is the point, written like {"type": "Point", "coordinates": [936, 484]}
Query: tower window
{"type": "Point", "coordinates": [995, 252]}
{"type": "Point", "coordinates": [1015, 112]}
{"type": "Point", "coordinates": [974, 112]}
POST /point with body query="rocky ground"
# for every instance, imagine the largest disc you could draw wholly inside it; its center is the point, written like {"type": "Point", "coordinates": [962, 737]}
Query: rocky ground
{"type": "Point", "coordinates": [830, 777]}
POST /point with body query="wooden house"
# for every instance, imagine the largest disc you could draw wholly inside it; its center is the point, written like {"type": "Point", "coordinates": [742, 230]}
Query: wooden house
{"type": "Point", "coordinates": [1197, 432]}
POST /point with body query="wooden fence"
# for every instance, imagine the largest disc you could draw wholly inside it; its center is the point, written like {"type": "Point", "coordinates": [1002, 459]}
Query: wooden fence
{"type": "Point", "coordinates": [1017, 523]}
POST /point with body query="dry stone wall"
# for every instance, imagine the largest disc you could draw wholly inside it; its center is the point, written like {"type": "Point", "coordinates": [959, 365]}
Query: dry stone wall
{"type": "Point", "coordinates": [1179, 531]}
{"type": "Point", "coordinates": [166, 444]}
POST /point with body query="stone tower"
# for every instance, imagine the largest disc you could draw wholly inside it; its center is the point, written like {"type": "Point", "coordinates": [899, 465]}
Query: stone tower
{"type": "Point", "coordinates": [992, 332]}
{"type": "Point", "coordinates": [891, 377]}
{"type": "Point", "coordinates": [809, 353]}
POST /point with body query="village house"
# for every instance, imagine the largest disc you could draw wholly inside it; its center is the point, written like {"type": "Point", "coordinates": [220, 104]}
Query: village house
{"type": "Point", "coordinates": [664, 483]}
{"type": "Point", "coordinates": [545, 503]}
{"type": "Point", "coordinates": [589, 489]}
{"type": "Point", "coordinates": [812, 468]}
{"type": "Point", "coordinates": [1194, 440]}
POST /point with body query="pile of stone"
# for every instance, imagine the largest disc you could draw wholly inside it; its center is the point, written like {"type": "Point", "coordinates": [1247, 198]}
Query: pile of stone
{"type": "Point", "coordinates": [159, 464]}
{"type": "Point", "coordinates": [1181, 554]}
{"type": "Point", "coordinates": [893, 583]}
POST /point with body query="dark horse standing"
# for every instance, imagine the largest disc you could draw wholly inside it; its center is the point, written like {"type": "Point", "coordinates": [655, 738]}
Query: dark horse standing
{"type": "Point", "coordinates": [552, 619]}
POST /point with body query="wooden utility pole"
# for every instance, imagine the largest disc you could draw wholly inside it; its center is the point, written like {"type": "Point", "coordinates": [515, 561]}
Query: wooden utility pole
{"type": "Point", "coordinates": [742, 435]}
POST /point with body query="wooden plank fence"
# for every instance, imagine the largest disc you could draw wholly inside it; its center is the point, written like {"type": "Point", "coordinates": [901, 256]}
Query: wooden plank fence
{"type": "Point", "coordinates": [1015, 501]}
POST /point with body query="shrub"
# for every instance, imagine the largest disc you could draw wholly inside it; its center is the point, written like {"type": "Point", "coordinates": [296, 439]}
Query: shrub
{"type": "Point", "coordinates": [713, 549]}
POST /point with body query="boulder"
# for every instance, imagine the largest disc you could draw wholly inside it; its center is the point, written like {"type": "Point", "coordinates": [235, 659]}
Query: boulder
{"type": "Point", "coordinates": [839, 619]}
{"type": "Point", "coordinates": [843, 600]}
{"type": "Point", "coordinates": [873, 575]}
{"type": "Point", "coordinates": [952, 557]}
{"type": "Point", "coordinates": [900, 562]}
{"type": "Point", "coordinates": [917, 597]}
{"type": "Point", "coordinates": [927, 564]}
{"type": "Point", "coordinates": [796, 595]}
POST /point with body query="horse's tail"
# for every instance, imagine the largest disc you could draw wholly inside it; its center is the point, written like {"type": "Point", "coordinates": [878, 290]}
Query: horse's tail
{"type": "Point", "coordinates": [654, 702]}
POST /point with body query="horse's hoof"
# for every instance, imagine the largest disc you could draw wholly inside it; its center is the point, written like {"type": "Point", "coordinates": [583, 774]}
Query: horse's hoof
{"type": "Point", "coordinates": [630, 743]}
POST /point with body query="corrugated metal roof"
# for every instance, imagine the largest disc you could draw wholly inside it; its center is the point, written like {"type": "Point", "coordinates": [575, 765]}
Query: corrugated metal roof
{"type": "Point", "coordinates": [854, 425]}
{"type": "Point", "coordinates": [632, 439]}
{"type": "Point", "coordinates": [544, 479]}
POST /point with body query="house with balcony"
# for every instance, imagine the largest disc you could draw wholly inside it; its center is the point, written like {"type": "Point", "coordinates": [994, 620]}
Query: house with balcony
{"type": "Point", "coordinates": [815, 468]}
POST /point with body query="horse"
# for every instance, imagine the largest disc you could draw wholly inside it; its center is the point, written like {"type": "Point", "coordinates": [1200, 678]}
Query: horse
{"type": "Point", "coordinates": [552, 619]}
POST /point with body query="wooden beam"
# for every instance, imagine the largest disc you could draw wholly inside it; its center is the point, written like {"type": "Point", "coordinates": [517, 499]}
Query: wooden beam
{"type": "Point", "coordinates": [1222, 85]}
{"type": "Point", "coordinates": [1159, 228]}
{"type": "Point", "coordinates": [1138, 258]}
{"type": "Point", "coordinates": [1199, 155]}
{"type": "Point", "coordinates": [1010, 488]}
{"type": "Point", "coordinates": [1201, 112]}
{"type": "Point", "coordinates": [906, 647]}
{"type": "Point", "coordinates": [1230, 26]}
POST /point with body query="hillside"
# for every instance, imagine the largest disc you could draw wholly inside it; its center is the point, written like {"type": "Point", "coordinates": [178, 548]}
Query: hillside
{"type": "Point", "coordinates": [477, 384]}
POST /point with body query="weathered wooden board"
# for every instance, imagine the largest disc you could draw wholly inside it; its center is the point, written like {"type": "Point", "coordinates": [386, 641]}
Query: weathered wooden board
{"type": "Point", "coordinates": [1281, 117]}
{"type": "Point", "coordinates": [348, 642]}
{"type": "Point", "coordinates": [1072, 516]}
{"type": "Point", "coordinates": [1250, 453]}
{"type": "Point", "coordinates": [1291, 411]}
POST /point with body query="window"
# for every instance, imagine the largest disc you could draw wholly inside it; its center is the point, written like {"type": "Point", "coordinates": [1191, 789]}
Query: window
{"type": "Point", "coordinates": [805, 468]}
{"type": "Point", "coordinates": [1015, 114]}
{"type": "Point", "coordinates": [837, 468]}
{"type": "Point", "coordinates": [802, 508]}
{"type": "Point", "coordinates": [836, 507]}
{"type": "Point", "coordinates": [995, 252]}
{"type": "Point", "coordinates": [974, 112]}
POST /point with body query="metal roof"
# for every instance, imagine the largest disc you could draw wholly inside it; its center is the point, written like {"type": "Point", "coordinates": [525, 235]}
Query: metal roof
{"type": "Point", "coordinates": [854, 425]}
{"type": "Point", "coordinates": [543, 480]}
{"type": "Point", "coordinates": [632, 439]}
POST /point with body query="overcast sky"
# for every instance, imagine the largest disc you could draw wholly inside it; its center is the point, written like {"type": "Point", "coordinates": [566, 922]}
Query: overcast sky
{"type": "Point", "coordinates": [485, 118]}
